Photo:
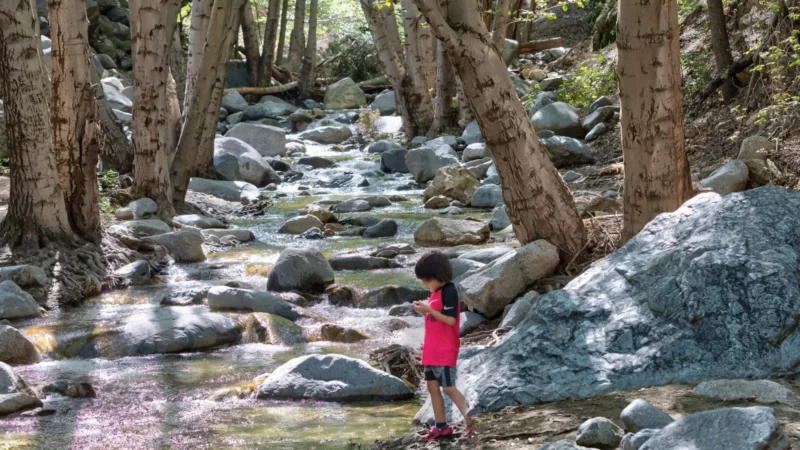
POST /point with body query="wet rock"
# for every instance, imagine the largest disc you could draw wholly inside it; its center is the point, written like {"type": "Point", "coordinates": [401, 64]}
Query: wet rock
{"type": "Point", "coordinates": [184, 245]}
{"type": "Point", "coordinates": [267, 140]}
{"type": "Point", "coordinates": [394, 161]}
{"type": "Point", "coordinates": [570, 176]}
{"type": "Point", "coordinates": [732, 177]}
{"type": "Point", "coordinates": [186, 297]}
{"type": "Point", "coordinates": [232, 191]}
{"type": "Point", "coordinates": [15, 348]}
{"type": "Point", "coordinates": [600, 102]}
{"type": "Point", "coordinates": [635, 441]}
{"type": "Point", "coordinates": [598, 116]}
{"type": "Point", "coordinates": [560, 118]}
{"type": "Point", "coordinates": [136, 273]}
{"type": "Point", "coordinates": [327, 135]}
{"type": "Point", "coordinates": [16, 303]}
{"type": "Point", "coordinates": [24, 275]}
{"type": "Point", "coordinates": [80, 390]}
{"type": "Point", "coordinates": [451, 211]}
{"type": "Point", "coordinates": [345, 180]}
{"type": "Point", "coordinates": [276, 107]}
{"type": "Point", "coordinates": [599, 433]}
{"type": "Point", "coordinates": [10, 382]}
{"type": "Point", "coordinates": [234, 118]}
{"type": "Point", "coordinates": [332, 378]}
{"type": "Point", "coordinates": [403, 310]}
{"type": "Point", "coordinates": [597, 131]}
{"type": "Point", "coordinates": [453, 181]}
{"type": "Point", "coordinates": [377, 201]}
{"type": "Point", "coordinates": [300, 269]}
{"type": "Point", "coordinates": [391, 296]}
{"type": "Point", "coordinates": [472, 133]}
{"type": "Point", "coordinates": [395, 324]}
{"type": "Point", "coordinates": [384, 146]}
{"type": "Point", "coordinates": [312, 234]}
{"type": "Point", "coordinates": [756, 147]}
{"type": "Point", "coordinates": [17, 401]}
{"type": "Point", "coordinates": [424, 162]}
{"type": "Point", "coordinates": [335, 333]}
{"type": "Point", "coordinates": [566, 151]}
{"type": "Point", "coordinates": [316, 162]}
{"type": "Point", "coordinates": [462, 266]}
{"type": "Point", "coordinates": [265, 328]}
{"type": "Point", "coordinates": [198, 221]}
{"type": "Point", "coordinates": [240, 235]}
{"type": "Point", "coordinates": [321, 213]}
{"type": "Point", "coordinates": [479, 167]}
{"type": "Point", "coordinates": [542, 99]}
{"type": "Point", "coordinates": [344, 94]}
{"type": "Point", "coordinates": [385, 103]}
{"type": "Point", "coordinates": [641, 414]}
{"type": "Point", "coordinates": [227, 298]}
{"type": "Point", "coordinates": [600, 206]}
{"type": "Point", "coordinates": [503, 280]}
{"type": "Point", "coordinates": [235, 160]}
{"type": "Point", "coordinates": [487, 196]}
{"type": "Point", "coordinates": [437, 202]}
{"type": "Point", "coordinates": [393, 249]}
{"type": "Point", "coordinates": [300, 224]}
{"type": "Point", "coordinates": [234, 102]}
{"type": "Point", "coordinates": [357, 262]}
{"type": "Point", "coordinates": [448, 232]}
{"type": "Point", "coordinates": [278, 165]}
{"type": "Point", "coordinates": [562, 445]}
{"type": "Point", "coordinates": [515, 313]}
{"type": "Point", "coordinates": [311, 104]}
{"type": "Point", "coordinates": [486, 255]}
{"type": "Point", "coordinates": [384, 228]}
{"type": "Point", "coordinates": [761, 391]}
{"type": "Point", "coordinates": [469, 321]}
{"type": "Point", "coordinates": [352, 205]}
{"type": "Point", "coordinates": [722, 429]}
{"type": "Point", "coordinates": [475, 151]}
{"type": "Point", "coordinates": [500, 219]}
{"type": "Point", "coordinates": [341, 295]}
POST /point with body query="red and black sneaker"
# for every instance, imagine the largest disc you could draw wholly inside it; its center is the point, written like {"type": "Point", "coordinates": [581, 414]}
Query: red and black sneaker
{"type": "Point", "coordinates": [468, 433]}
{"type": "Point", "coordinates": [435, 433]}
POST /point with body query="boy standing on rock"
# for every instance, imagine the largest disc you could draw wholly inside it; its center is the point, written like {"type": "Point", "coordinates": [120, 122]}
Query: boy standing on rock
{"type": "Point", "coordinates": [442, 342]}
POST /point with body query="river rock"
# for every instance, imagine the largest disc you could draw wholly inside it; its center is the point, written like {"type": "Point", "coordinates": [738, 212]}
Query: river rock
{"type": "Point", "coordinates": [233, 191]}
{"type": "Point", "coordinates": [487, 196]}
{"type": "Point", "coordinates": [143, 227]}
{"type": "Point", "coordinates": [300, 269]}
{"type": "Point", "coordinates": [451, 211]}
{"type": "Point", "coordinates": [448, 232]}
{"type": "Point", "coordinates": [598, 116]}
{"type": "Point", "coordinates": [570, 176]}
{"type": "Point", "coordinates": [599, 433]}
{"type": "Point", "coordinates": [198, 221]}
{"type": "Point", "coordinates": [16, 303]}
{"type": "Point", "coordinates": [635, 441]}
{"type": "Point", "coordinates": [762, 391]}
{"type": "Point", "coordinates": [437, 202]}
{"type": "Point", "coordinates": [462, 266]}
{"type": "Point", "coordinates": [756, 147]}
{"type": "Point", "coordinates": [480, 167]}
{"type": "Point", "coordinates": [403, 310]}
{"type": "Point", "coordinates": [335, 333]}
{"type": "Point", "coordinates": [10, 382]}
{"type": "Point", "coordinates": [300, 224]}
{"type": "Point", "coordinates": [566, 151]}
{"type": "Point", "coordinates": [136, 273]}
{"type": "Point", "coordinates": [272, 329]}
{"type": "Point", "coordinates": [240, 235]}
{"type": "Point", "coordinates": [732, 177]}
{"type": "Point", "coordinates": [15, 348]}
{"type": "Point", "coordinates": [142, 208]}
{"type": "Point", "coordinates": [424, 162]}
{"type": "Point", "coordinates": [472, 133]}
{"type": "Point", "coordinates": [394, 161]}
{"type": "Point", "coordinates": [344, 180]}
{"type": "Point", "coordinates": [385, 103]}
{"type": "Point", "coordinates": [390, 250]}
{"type": "Point", "coordinates": [327, 135]}
{"type": "Point", "coordinates": [356, 262]}
{"type": "Point", "coordinates": [383, 229]}
{"type": "Point", "coordinates": [475, 151]}
{"type": "Point", "coordinates": [235, 160]}
{"type": "Point", "coordinates": [668, 291]}
{"type": "Point", "coordinates": [267, 140]}
{"type": "Point", "coordinates": [344, 94]}
{"type": "Point", "coordinates": [542, 99]}
{"type": "Point", "coordinates": [641, 414]}
{"type": "Point", "coordinates": [276, 107]}
{"type": "Point", "coordinates": [560, 118]}
{"type": "Point", "coordinates": [228, 298]}
{"type": "Point", "coordinates": [391, 296]}
{"type": "Point", "coordinates": [17, 401]}
{"type": "Point", "coordinates": [352, 205]}
{"type": "Point", "coordinates": [754, 428]}
{"type": "Point", "coordinates": [469, 321]}
{"type": "Point", "coordinates": [24, 275]}
{"type": "Point", "coordinates": [596, 132]}
{"type": "Point", "coordinates": [486, 255]}
{"type": "Point", "coordinates": [183, 245]}
{"type": "Point", "coordinates": [377, 201]}
{"type": "Point", "coordinates": [500, 219]}
{"type": "Point", "coordinates": [506, 278]}
{"type": "Point", "coordinates": [384, 146]}
{"type": "Point", "coordinates": [515, 313]}
{"type": "Point", "coordinates": [453, 181]}
{"type": "Point", "coordinates": [562, 445]}
{"type": "Point", "coordinates": [234, 102]}
{"type": "Point", "coordinates": [332, 378]}
{"type": "Point", "coordinates": [320, 212]}
{"type": "Point", "coordinates": [552, 83]}
{"type": "Point", "coordinates": [316, 162]}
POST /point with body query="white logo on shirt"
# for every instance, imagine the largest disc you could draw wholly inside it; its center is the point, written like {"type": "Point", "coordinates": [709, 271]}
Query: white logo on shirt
{"type": "Point", "coordinates": [445, 309]}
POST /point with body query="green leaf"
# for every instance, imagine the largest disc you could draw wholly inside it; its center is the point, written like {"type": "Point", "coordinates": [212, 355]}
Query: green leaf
{"type": "Point", "coordinates": [564, 7]}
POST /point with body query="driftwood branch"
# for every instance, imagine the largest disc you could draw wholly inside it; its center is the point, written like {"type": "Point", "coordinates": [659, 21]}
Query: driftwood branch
{"type": "Point", "coordinates": [715, 84]}
{"type": "Point", "coordinates": [264, 90]}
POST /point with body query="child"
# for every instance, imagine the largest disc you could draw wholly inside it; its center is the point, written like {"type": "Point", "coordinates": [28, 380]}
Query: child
{"type": "Point", "coordinates": [442, 341]}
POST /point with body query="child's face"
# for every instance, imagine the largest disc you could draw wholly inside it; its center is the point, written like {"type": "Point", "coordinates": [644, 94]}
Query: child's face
{"type": "Point", "coordinates": [432, 284]}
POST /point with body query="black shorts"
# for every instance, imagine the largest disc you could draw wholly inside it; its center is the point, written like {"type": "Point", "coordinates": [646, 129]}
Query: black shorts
{"type": "Point", "coordinates": [446, 376]}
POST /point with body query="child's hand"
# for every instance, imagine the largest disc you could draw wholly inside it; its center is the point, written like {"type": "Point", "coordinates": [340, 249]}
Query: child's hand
{"type": "Point", "coordinates": [421, 307]}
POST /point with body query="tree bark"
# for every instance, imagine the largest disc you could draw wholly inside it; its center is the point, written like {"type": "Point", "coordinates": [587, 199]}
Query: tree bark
{"type": "Point", "coordinates": [152, 22]}
{"type": "Point", "coordinates": [721, 46]}
{"type": "Point", "coordinates": [37, 213]}
{"type": "Point", "coordinates": [513, 19]}
{"type": "Point", "coordinates": [539, 203]}
{"type": "Point", "coordinates": [297, 39]}
{"type": "Point", "coordinates": [198, 28]}
{"type": "Point", "coordinates": [443, 112]}
{"type": "Point", "coordinates": [649, 76]}
{"type": "Point", "coordinates": [251, 52]}
{"type": "Point", "coordinates": [177, 66]}
{"type": "Point", "coordinates": [527, 9]}
{"type": "Point", "coordinates": [268, 52]}
{"type": "Point", "coordinates": [500, 25]}
{"type": "Point", "coordinates": [420, 47]}
{"type": "Point", "coordinates": [465, 115]}
{"type": "Point", "coordinates": [76, 132]}
{"type": "Point", "coordinates": [116, 152]}
{"type": "Point", "coordinates": [222, 26]}
{"type": "Point", "coordinates": [310, 55]}
{"type": "Point", "coordinates": [282, 33]}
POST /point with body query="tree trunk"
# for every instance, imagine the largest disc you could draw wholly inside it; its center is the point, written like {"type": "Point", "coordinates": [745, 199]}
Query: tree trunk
{"type": "Point", "coordinates": [198, 28]}
{"type": "Point", "coordinates": [465, 115]}
{"type": "Point", "coordinates": [526, 11]}
{"type": "Point", "coordinates": [222, 26]}
{"type": "Point", "coordinates": [297, 39]}
{"type": "Point", "coordinates": [722, 49]}
{"type": "Point", "coordinates": [152, 22]}
{"type": "Point", "coordinates": [500, 25]}
{"type": "Point", "coordinates": [174, 119]}
{"type": "Point", "coordinates": [282, 33]}
{"type": "Point", "coordinates": [37, 213]}
{"type": "Point", "coordinates": [116, 151]}
{"type": "Point", "coordinates": [444, 114]}
{"type": "Point", "coordinates": [251, 52]}
{"type": "Point", "coordinates": [177, 66]}
{"type": "Point", "coordinates": [309, 58]}
{"type": "Point", "coordinates": [76, 131]}
{"type": "Point", "coordinates": [649, 77]}
{"type": "Point", "coordinates": [420, 48]}
{"type": "Point", "coordinates": [268, 52]}
{"type": "Point", "coordinates": [513, 17]}
{"type": "Point", "coordinates": [413, 102]}
{"type": "Point", "coordinates": [539, 203]}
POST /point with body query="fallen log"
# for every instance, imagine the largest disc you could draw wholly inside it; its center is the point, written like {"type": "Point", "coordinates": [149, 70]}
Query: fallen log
{"type": "Point", "coordinates": [264, 90]}
{"type": "Point", "coordinates": [535, 46]}
{"type": "Point", "coordinates": [715, 84]}
{"type": "Point", "coordinates": [372, 83]}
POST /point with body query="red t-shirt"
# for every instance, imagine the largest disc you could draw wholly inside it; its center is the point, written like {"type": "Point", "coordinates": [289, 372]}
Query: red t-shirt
{"type": "Point", "coordinates": [442, 341]}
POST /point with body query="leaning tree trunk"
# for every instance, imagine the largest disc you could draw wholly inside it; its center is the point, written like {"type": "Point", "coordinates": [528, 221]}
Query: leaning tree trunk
{"type": "Point", "coordinates": [500, 25]}
{"type": "Point", "coordinates": [649, 78]}
{"type": "Point", "coordinates": [297, 39]}
{"type": "Point", "coordinates": [76, 131]}
{"type": "Point", "coordinates": [223, 23]}
{"type": "Point", "coordinates": [309, 57]}
{"type": "Point", "coordinates": [282, 33]}
{"type": "Point", "coordinates": [721, 46]}
{"type": "Point", "coordinates": [198, 29]}
{"type": "Point", "coordinates": [413, 102]}
{"type": "Point", "coordinates": [152, 23]}
{"type": "Point", "coordinates": [251, 52]}
{"type": "Point", "coordinates": [539, 203]}
{"type": "Point", "coordinates": [420, 48]}
{"type": "Point", "coordinates": [37, 213]}
{"type": "Point", "coordinates": [268, 52]}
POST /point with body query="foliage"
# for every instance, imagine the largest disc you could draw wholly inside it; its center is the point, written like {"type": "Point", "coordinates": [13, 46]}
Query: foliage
{"type": "Point", "coordinates": [696, 68]}
{"type": "Point", "coordinates": [4, 170]}
{"type": "Point", "coordinates": [589, 83]}
{"type": "Point", "coordinates": [354, 60]}
{"type": "Point", "coordinates": [107, 182]}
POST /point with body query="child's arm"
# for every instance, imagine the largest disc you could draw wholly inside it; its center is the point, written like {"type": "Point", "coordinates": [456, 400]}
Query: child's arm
{"type": "Point", "coordinates": [439, 316]}
{"type": "Point", "coordinates": [449, 311]}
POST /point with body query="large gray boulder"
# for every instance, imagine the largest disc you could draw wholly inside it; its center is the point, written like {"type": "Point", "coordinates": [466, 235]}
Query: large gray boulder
{"type": "Point", "coordinates": [599, 433]}
{"type": "Point", "coordinates": [472, 133]}
{"type": "Point", "coordinates": [384, 146]}
{"type": "Point", "coordinates": [423, 162]}
{"type": "Point", "coordinates": [518, 311]}
{"type": "Point", "coordinates": [136, 273]}
{"type": "Point", "coordinates": [334, 134]}
{"type": "Point", "coordinates": [16, 303]}
{"type": "Point", "coordinates": [198, 221]}
{"type": "Point", "coordinates": [10, 382]}
{"type": "Point", "coordinates": [641, 414]}
{"type": "Point", "coordinates": [500, 219]}
{"type": "Point", "coordinates": [357, 262]}
{"type": "Point", "coordinates": [487, 196]}
{"type": "Point", "coordinates": [233, 191]}
{"type": "Point", "coordinates": [276, 107]}
{"type": "Point", "coordinates": [236, 160]}
{"type": "Point", "coordinates": [635, 441]}
{"type": "Point", "coordinates": [385, 103]}
{"type": "Point", "coordinates": [489, 290]}
{"type": "Point", "coordinates": [732, 177]}
{"type": "Point", "coordinates": [268, 141]}
{"type": "Point", "coordinates": [486, 255]}
{"type": "Point", "coordinates": [762, 391]}
{"type": "Point", "coordinates": [24, 275]}
{"type": "Point", "coordinates": [144, 227]}
{"type": "Point", "coordinates": [233, 102]}
{"type": "Point", "coordinates": [185, 245]}
{"type": "Point", "coordinates": [228, 298]}
{"type": "Point", "coordinates": [300, 269]}
{"type": "Point", "coordinates": [566, 151]}
{"type": "Point", "coordinates": [449, 233]}
{"type": "Point", "coordinates": [671, 306]}
{"type": "Point", "coordinates": [391, 296]}
{"type": "Point", "coordinates": [15, 348]}
{"type": "Point", "coordinates": [754, 428]}
{"type": "Point", "coordinates": [17, 401]}
{"type": "Point", "coordinates": [300, 224]}
{"type": "Point", "coordinates": [394, 160]}
{"type": "Point", "coordinates": [344, 94]}
{"type": "Point", "coordinates": [453, 181]}
{"type": "Point", "coordinates": [542, 99]}
{"type": "Point", "coordinates": [560, 118]}
{"type": "Point", "coordinates": [334, 378]}
{"type": "Point", "coordinates": [476, 151]}
{"type": "Point", "coordinates": [462, 266]}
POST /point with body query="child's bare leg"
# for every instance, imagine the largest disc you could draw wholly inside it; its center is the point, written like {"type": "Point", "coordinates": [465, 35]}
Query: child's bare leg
{"type": "Point", "coordinates": [460, 402]}
{"type": "Point", "coordinates": [437, 401]}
